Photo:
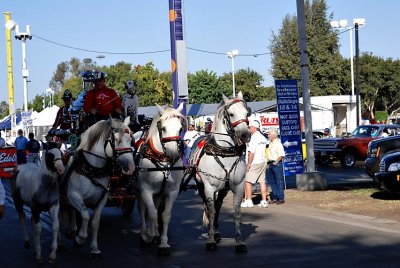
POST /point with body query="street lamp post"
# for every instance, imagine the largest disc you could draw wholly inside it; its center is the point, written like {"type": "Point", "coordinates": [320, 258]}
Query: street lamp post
{"type": "Point", "coordinates": [232, 54]}
{"type": "Point", "coordinates": [23, 36]}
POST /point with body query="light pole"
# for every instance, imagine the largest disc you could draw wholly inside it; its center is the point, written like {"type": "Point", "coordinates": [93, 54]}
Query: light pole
{"type": "Point", "coordinates": [23, 36]}
{"type": "Point", "coordinates": [342, 24]}
{"type": "Point", "coordinates": [51, 93]}
{"type": "Point", "coordinates": [360, 22]}
{"type": "Point", "coordinates": [232, 54]}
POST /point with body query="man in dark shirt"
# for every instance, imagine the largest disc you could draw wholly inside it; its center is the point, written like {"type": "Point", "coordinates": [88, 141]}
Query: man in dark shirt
{"type": "Point", "coordinates": [33, 148]}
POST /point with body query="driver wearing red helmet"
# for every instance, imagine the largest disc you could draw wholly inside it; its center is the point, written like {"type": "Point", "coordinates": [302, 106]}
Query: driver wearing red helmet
{"type": "Point", "coordinates": [102, 102]}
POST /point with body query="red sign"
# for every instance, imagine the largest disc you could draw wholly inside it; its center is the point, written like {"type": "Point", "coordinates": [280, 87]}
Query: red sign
{"type": "Point", "coordinates": [8, 157]}
{"type": "Point", "coordinates": [269, 121]}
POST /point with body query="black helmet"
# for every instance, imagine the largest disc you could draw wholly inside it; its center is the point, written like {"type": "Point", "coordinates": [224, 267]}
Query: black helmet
{"type": "Point", "coordinates": [97, 74]}
{"type": "Point", "coordinates": [67, 94]}
{"type": "Point", "coordinates": [327, 130]}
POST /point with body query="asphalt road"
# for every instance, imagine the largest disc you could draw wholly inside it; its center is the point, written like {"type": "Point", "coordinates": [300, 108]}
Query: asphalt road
{"type": "Point", "coordinates": [286, 235]}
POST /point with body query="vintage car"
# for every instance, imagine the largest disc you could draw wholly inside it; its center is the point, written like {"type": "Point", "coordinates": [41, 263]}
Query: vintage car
{"type": "Point", "coordinates": [351, 148]}
{"type": "Point", "coordinates": [378, 149]}
{"type": "Point", "coordinates": [389, 173]}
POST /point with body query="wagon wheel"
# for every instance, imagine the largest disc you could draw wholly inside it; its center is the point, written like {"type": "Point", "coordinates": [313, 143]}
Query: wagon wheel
{"type": "Point", "coordinates": [127, 206]}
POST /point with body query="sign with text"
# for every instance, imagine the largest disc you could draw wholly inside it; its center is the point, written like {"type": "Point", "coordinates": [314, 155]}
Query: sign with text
{"type": "Point", "coordinates": [26, 118]}
{"type": "Point", "coordinates": [287, 99]}
{"type": "Point", "coordinates": [7, 157]}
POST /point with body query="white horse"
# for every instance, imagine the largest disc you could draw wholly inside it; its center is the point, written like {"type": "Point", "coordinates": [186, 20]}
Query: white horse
{"type": "Point", "coordinates": [219, 166]}
{"type": "Point", "coordinates": [103, 147]}
{"type": "Point", "coordinates": [160, 172]}
{"type": "Point", "coordinates": [37, 187]}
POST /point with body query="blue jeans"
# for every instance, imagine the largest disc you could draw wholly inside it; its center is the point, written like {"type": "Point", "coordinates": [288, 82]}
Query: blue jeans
{"type": "Point", "coordinates": [275, 179]}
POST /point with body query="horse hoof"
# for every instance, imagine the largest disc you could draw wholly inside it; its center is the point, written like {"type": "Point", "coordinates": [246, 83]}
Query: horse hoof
{"type": "Point", "coordinates": [52, 260]}
{"type": "Point", "coordinates": [211, 246]}
{"type": "Point", "coordinates": [144, 243]}
{"type": "Point", "coordinates": [240, 249]}
{"type": "Point", "coordinates": [156, 240]}
{"type": "Point", "coordinates": [217, 237]}
{"type": "Point", "coordinates": [39, 260]}
{"type": "Point", "coordinates": [164, 251]}
{"type": "Point", "coordinates": [77, 245]}
{"type": "Point", "coordinates": [96, 256]}
{"type": "Point", "coordinates": [27, 245]}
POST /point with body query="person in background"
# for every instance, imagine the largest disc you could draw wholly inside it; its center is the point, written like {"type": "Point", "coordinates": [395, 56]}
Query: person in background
{"type": "Point", "coordinates": [20, 146]}
{"type": "Point", "coordinates": [189, 138]}
{"type": "Point", "coordinates": [208, 126]}
{"type": "Point", "coordinates": [2, 142]}
{"type": "Point", "coordinates": [275, 155]}
{"type": "Point", "coordinates": [130, 103]}
{"type": "Point", "coordinates": [33, 148]}
{"type": "Point", "coordinates": [255, 167]}
{"type": "Point", "coordinates": [63, 118]}
{"type": "Point", "coordinates": [327, 133]}
{"type": "Point", "coordinates": [101, 102]}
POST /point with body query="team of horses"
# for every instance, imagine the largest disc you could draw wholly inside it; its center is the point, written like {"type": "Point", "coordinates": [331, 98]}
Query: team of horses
{"type": "Point", "coordinates": [66, 188]}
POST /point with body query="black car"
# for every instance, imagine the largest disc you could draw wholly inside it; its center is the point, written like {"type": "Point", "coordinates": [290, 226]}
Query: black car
{"type": "Point", "coordinates": [389, 173]}
{"type": "Point", "coordinates": [378, 149]}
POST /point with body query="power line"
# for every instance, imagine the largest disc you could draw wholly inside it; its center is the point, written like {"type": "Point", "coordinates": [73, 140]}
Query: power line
{"type": "Point", "coordinates": [164, 50]}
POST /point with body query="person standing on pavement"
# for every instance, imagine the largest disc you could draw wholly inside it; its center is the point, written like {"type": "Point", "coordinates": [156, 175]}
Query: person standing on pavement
{"type": "Point", "coordinates": [275, 155]}
{"type": "Point", "coordinates": [33, 148]}
{"type": "Point", "coordinates": [255, 167]}
{"type": "Point", "coordinates": [20, 147]}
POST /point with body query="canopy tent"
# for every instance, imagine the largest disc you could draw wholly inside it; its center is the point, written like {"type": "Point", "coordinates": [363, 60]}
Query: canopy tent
{"type": "Point", "coordinates": [45, 117]}
{"type": "Point", "coordinates": [5, 124]}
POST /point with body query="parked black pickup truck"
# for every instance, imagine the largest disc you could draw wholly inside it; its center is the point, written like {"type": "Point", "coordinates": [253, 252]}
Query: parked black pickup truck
{"type": "Point", "coordinates": [378, 149]}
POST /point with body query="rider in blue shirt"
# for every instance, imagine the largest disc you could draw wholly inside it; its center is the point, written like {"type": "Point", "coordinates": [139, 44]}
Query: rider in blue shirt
{"type": "Point", "coordinates": [20, 146]}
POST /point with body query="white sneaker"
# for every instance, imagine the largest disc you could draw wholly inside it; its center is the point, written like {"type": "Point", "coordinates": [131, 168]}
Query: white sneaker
{"type": "Point", "coordinates": [248, 203]}
{"type": "Point", "coordinates": [263, 204]}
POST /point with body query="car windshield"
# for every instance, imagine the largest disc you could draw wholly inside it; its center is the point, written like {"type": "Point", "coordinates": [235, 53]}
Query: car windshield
{"type": "Point", "coordinates": [366, 131]}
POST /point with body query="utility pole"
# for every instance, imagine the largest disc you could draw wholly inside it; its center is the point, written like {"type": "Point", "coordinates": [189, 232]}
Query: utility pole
{"type": "Point", "coordinates": [357, 75]}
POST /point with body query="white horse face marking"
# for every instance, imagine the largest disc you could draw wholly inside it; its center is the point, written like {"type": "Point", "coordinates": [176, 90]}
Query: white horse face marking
{"type": "Point", "coordinates": [171, 128]}
{"type": "Point", "coordinates": [236, 113]}
{"type": "Point", "coordinates": [123, 142]}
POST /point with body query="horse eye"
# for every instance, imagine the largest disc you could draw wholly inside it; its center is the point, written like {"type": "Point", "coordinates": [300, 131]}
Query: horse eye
{"type": "Point", "coordinates": [231, 115]}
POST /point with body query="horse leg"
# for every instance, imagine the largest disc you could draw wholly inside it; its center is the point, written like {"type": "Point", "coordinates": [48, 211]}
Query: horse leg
{"type": "Point", "coordinates": [164, 249]}
{"type": "Point", "coordinates": [77, 202]}
{"type": "Point", "coordinates": [37, 229]}
{"type": "Point", "coordinates": [218, 204]}
{"type": "Point", "coordinates": [95, 252]}
{"type": "Point", "coordinates": [211, 244]}
{"type": "Point", "coordinates": [54, 211]}
{"type": "Point", "coordinates": [240, 246]}
{"type": "Point", "coordinates": [19, 207]}
{"type": "Point", "coordinates": [149, 233]}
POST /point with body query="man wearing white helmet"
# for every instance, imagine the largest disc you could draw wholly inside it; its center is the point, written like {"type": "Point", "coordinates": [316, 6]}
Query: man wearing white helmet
{"type": "Point", "coordinates": [130, 101]}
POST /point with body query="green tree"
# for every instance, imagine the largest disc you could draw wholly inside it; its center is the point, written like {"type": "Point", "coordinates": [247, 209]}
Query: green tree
{"type": "Point", "coordinates": [206, 87]}
{"type": "Point", "coordinates": [324, 57]}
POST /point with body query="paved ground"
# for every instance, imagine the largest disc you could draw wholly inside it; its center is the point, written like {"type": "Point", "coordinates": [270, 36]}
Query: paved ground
{"type": "Point", "coordinates": [289, 235]}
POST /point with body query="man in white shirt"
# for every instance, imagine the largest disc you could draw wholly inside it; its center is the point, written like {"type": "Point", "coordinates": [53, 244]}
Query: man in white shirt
{"type": "Point", "coordinates": [190, 137]}
{"type": "Point", "coordinates": [255, 166]}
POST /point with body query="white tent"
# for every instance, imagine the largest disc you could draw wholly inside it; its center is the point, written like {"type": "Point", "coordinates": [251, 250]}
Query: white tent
{"type": "Point", "coordinates": [46, 117]}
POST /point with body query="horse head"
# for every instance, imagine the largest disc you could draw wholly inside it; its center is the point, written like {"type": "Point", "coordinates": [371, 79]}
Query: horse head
{"type": "Point", "coordinates": [235, 114]}
{"type": "Point", "coordinates": [53, 159]}
{"type": "Point", "coordinates": [165, 132]}
{"type": "Point", "coordinates": [119, 145]}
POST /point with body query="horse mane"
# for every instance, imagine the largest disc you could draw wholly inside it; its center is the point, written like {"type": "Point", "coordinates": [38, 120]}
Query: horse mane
{"type": "Point", "coordinates": [169, 112]}
{"type": "Point", "coordinates": [100, 130]}
{"type": "Point", "coordinates": [219, 115]}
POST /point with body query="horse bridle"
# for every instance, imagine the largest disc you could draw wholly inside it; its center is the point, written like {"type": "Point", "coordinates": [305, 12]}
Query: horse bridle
{"type": "Point", "coordinates": [164, 140]}
{"type": "Point", "coordinates": [230, 127]}
{"type": "Point", "coordinates": [116, 152]}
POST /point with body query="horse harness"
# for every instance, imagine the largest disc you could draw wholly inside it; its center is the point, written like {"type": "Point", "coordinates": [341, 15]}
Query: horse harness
{"type": "Point", "coordinates": [159, 159]}
{"type": "Point", "coordinates": [82, 166]}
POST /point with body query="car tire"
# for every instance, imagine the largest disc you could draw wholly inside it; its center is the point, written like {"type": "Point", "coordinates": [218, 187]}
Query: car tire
{"type": "Point", "coordinates": [348, 159]}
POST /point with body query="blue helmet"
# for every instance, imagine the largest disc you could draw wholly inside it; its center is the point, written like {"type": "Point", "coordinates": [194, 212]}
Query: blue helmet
{"type": "Point", "coordinates": [97, 74]}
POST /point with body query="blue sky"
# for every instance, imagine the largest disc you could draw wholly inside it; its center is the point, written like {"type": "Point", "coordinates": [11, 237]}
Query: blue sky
{"type": "Point", "coordinates": [141, 26]}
